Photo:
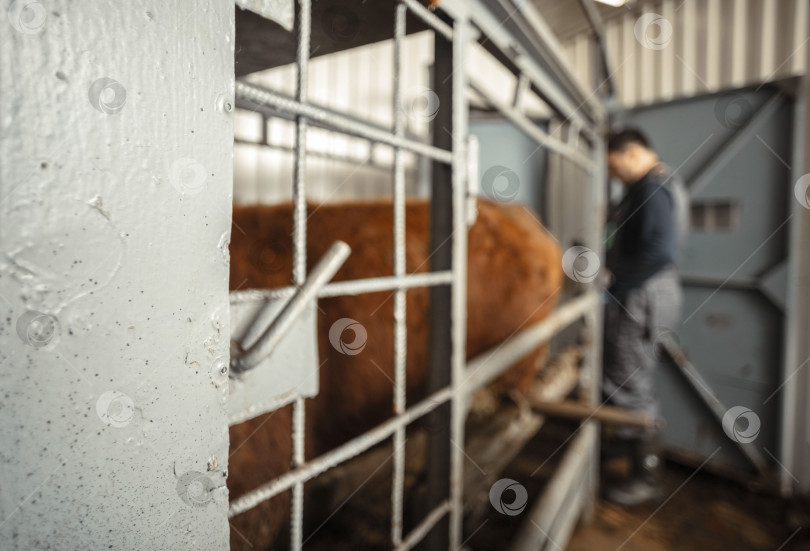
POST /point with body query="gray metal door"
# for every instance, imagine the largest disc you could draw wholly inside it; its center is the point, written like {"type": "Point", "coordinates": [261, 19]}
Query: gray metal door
{"type": "Point", "coordinates": [734, 151]}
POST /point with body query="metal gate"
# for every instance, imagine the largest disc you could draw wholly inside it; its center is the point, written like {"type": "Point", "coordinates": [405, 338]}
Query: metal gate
{"type": "Point", "coordinates": [516, 35]}
{"type": "Point", "coordinates": [735, 151]}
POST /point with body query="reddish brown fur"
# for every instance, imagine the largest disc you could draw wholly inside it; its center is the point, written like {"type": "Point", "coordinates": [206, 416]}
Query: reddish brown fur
{"type": "Point", "coordinates": [514, 275]}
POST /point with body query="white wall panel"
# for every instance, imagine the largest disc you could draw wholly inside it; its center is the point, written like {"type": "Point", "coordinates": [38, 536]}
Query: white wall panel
{"type": "Point", "coordinates": [115, 201]}
{"type": "Point", "coordinates": [716, 45]}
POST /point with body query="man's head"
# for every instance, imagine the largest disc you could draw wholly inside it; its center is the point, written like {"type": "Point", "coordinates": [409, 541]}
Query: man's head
{"type": "Point", "coordinates": [630, 156]}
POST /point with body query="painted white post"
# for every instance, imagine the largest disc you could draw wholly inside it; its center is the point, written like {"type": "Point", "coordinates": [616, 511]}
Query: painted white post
{"type": "Point", "coordinates": [115, 198]}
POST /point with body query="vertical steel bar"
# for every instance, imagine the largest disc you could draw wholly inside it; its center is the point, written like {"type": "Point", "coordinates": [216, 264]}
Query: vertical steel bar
{"type": "Point", "coordinates": [439, 332]}
{"type": "Point", "coordinates": [459, 267]}
{"type": "Point", "coordinates": [400, 328]}
{"type": "Point", "coordinates": [304, 20]}
{"type": "Point", "coordinates": [593, 320]}
{"type": "Point", "coordinates": [798, 293]}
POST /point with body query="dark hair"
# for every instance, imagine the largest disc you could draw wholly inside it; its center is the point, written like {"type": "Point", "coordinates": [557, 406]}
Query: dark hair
{"type": "Point", "coordinates": [620, 139]}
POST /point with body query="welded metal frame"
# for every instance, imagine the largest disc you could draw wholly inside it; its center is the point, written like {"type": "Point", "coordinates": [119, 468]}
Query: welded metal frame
{"type": "Point", "coordinates": [540, 67]}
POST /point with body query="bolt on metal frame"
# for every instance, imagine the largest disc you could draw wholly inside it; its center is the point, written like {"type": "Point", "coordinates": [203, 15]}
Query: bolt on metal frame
{"type": "Point", "coordinates": [465, 377]}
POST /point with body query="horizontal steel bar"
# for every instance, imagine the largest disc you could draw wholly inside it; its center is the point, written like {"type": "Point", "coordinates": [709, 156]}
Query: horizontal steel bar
{"type": "Point", "coordinates": [271, 335]}
{"type": "Point", "coordinates": [536, 133]}
{"type": "Point", "coordinates": [419, 533]}
{"type": "Point", "coordinates": [352, 287]}
{"type": "Point", "coordinates": [429, 18]}
{"type": "Point", "coordinates": [260, 99]}
{"type": "Point", "coordinates": [488, 365]}
{"type": "Point", "coordinates": [363, 161]}
{"type": "Point", "coordinates": [534, 532]}
{"type": "Point", "coordinates": [708, 280]}
{"type": "Point", "coordinates": [340, 454]}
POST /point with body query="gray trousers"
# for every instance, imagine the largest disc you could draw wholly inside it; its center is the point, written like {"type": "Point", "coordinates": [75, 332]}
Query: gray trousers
{"type": "Point", "coordinates": [631, 332]}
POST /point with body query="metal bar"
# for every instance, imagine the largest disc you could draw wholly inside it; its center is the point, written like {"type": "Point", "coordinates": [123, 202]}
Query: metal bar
{"type": "Point", "coordinates": [459, 267]}
{"type": "Point", "coordinates": [708, 172]}
{"type": "Point", "coordinates": [534, 532]}
{"type": "Point", "coordinates": [573, 508]}
{"type": "Point", "coordinates": [367, 161]}
{"type": "Point", "coordinates": [708, 396]}
{"type": "Point", "coordinates": [595, 20]}
{"type": "Point", "coordinates": [706, 280]}
{"type": "Point", "coordinates": [299, 270]}
{"type": "Point", "coordinates": [591, 374]}
{"type": "Point", "coordinates": [430, 18]}
{"type": "Point", "coordinates": [797, 320]}
{"type": "Point", "coordinates": [351, 287]}
{"type": "Point", "coordinates": [419, 533]}
{"type": "Point", "coordinates": [356, 446]}
{"type": "Point", "coordinates": [488, 365]}
{"type": "Point", "coordinates": [610, 415]}
{"type": "Point", "coordinates": [264, 335]}
{"type": "Point", "coordinates": [439, 322]}
{"type": "Point", "coordinates": [521, 88]}
{"type": "Point", "coordinates": [550, 49]}
{"type": "Point", "coordinates": [260, 99]}
{"type": "Point", "coordinates": [472, 179]}
{"type": "Point", "coordinates": [400, 310]}
{"type": "Point", "coordinates": [532, 130]}
{"type": "Point", "coordinates": [501, 42]}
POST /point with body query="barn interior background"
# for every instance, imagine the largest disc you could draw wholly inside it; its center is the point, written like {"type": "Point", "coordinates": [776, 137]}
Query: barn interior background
{"type": "Point", "coordinates": [129, 131]}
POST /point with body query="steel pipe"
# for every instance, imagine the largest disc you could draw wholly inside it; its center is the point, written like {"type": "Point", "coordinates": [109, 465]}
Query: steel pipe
{"type": "Point", "coordinates": [264, 344]}
{"type": "Point", "coordinates": [429, 18]}
{"type": "Point", "coordinates": [535, 531]}
{"type": "Point", "coordinates": [488, 365]}
{"type": "Point", "coordinates": [351, 287]}
{"type": "Point", "coordinates": [267, 101]}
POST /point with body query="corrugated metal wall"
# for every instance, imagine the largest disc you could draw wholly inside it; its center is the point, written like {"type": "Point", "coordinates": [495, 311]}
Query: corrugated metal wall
{"type": "Point", "coordinates": [681, 48]}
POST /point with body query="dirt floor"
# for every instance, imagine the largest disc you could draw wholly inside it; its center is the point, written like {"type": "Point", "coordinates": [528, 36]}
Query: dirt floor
{"type": "Point", "coordinates": [705, 513]}
{"type": "Point", "coordinates": [700, 511]}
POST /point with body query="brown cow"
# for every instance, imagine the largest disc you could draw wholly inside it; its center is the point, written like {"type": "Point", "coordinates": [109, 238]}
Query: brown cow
{"type": "Point", "coordinates": [513, 280]}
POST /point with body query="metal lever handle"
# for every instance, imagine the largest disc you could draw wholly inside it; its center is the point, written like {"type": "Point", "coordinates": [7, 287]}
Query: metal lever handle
{"type": "Point", "coordinates": [320, 275]}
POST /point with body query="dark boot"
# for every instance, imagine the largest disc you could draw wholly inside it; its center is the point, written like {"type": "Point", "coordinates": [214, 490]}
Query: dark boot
{"type": "Point", "coordinates": [643, 485]}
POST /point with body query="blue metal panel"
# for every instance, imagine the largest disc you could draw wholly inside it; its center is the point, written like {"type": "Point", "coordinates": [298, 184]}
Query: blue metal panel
{"type": "Point", "coordinates": [732, 331]}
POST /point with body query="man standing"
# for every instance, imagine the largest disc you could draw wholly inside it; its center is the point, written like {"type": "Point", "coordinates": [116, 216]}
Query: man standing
{"type": "Point", "coordinates": [644, 300]}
